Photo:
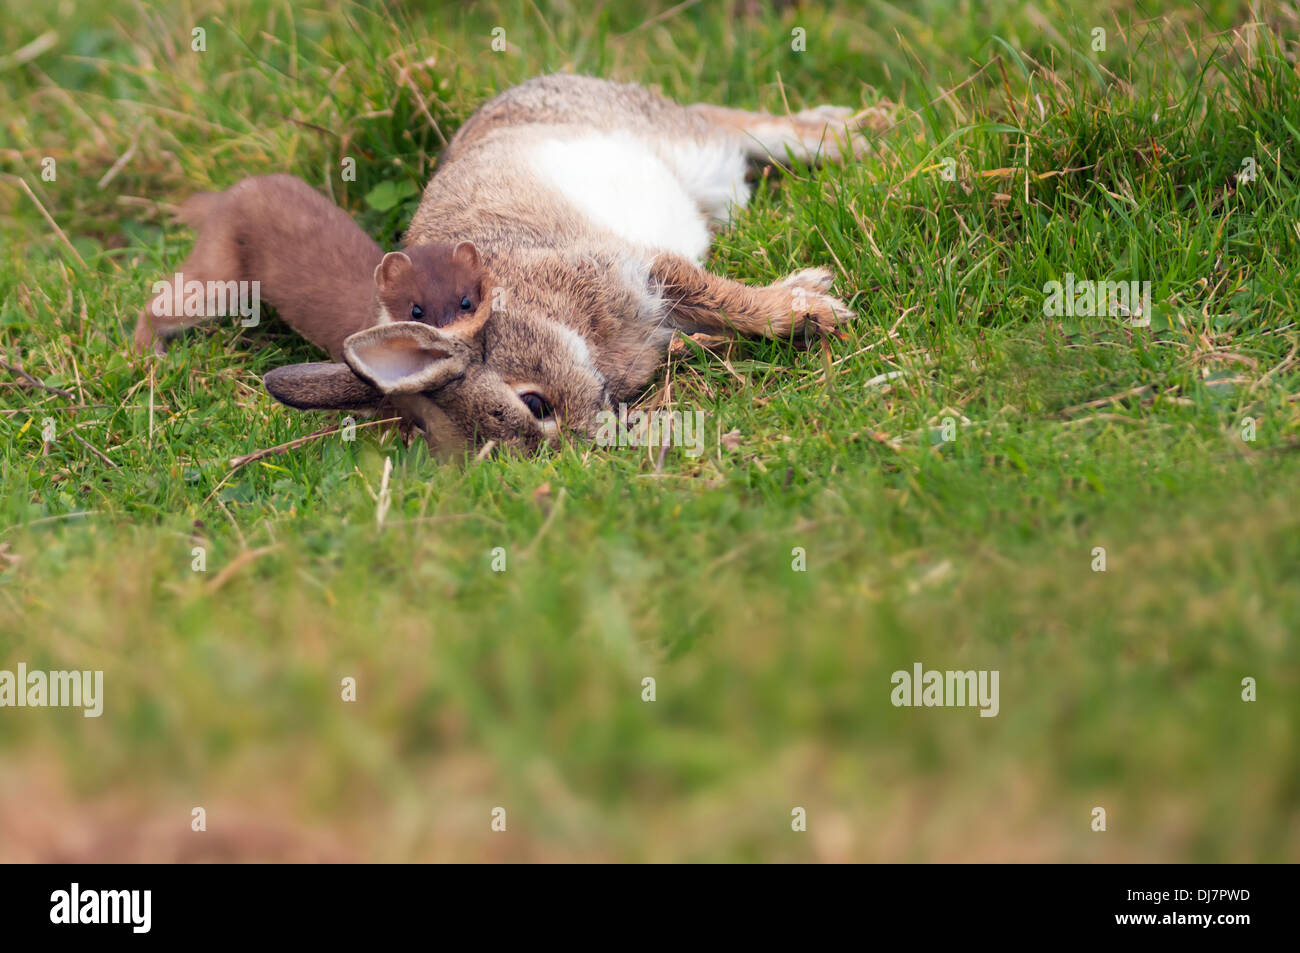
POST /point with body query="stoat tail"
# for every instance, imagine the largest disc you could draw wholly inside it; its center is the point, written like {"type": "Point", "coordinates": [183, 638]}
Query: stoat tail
{"type": "Point", "coordinates": [197, 207]}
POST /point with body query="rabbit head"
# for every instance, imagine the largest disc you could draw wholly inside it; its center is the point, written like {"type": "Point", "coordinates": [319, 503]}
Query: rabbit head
{"type": "Point", "coordinates": [521, 383]}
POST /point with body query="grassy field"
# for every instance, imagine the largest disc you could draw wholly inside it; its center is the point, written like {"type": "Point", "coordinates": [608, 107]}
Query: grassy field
{"type": "Point", "coordinates": [948, 471]}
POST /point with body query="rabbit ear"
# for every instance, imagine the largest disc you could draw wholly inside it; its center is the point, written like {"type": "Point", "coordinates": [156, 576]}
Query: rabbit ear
{"type": "Point", "coordinates": [321, 387]}
{"type": "Point", "coordinates": [405, 357]}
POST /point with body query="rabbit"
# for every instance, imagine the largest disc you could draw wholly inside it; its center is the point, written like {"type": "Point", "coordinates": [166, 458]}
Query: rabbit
{"type": "Point", "coordinates": [592, 205]}
{"type": "Point", "coordinates": [306, 256]}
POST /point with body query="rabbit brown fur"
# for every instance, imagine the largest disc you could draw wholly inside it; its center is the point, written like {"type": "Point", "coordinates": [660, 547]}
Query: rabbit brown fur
{"type": "Point", "coordinates": [591, 205]}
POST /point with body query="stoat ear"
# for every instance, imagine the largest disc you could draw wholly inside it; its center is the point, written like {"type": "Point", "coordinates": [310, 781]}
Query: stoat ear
{"type": "Point", "coordinates": [405, 357]}
{"type": "Point", "coordinates": [321, 387]}
{"type": "Point", "coordinates": [465, 254]}
{"type": "Point", "coordinates": [393, 266]}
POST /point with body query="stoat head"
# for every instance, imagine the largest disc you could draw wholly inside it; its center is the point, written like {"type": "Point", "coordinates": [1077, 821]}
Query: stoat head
{"type": "Point", "coordinates": [439, 284]}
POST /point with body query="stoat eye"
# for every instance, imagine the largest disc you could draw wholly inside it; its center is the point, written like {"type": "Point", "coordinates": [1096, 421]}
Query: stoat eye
{"type": "Point", "coordinates": [466, 304]}
{"type": "Point", "coordinates": [536, 404]}
{"type": "Point", "coordinates": [416, 312]}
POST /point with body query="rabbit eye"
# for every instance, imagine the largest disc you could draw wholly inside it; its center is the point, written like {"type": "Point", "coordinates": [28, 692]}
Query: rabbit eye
{"type": "Point", "coordinates": [466, 304]}
{"type": "Point", "coordinates": [536, 403]}
{"type": "Point", "coordinates": [416, 312]}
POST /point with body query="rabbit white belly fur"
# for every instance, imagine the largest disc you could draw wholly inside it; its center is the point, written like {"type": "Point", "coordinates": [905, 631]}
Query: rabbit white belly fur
{"type": "Point", "coordinates": [593, 203]}
{"type": "Point", "coordinates": [657, 195]}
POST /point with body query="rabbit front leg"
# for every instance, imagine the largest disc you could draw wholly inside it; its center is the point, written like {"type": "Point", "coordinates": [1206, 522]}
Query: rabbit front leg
{"type": "Point", "coordinates": [700, 301]}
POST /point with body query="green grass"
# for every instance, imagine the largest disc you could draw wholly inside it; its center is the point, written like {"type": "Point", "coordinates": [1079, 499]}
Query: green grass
{"type": "Point", "coordinates": [522, 688]}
